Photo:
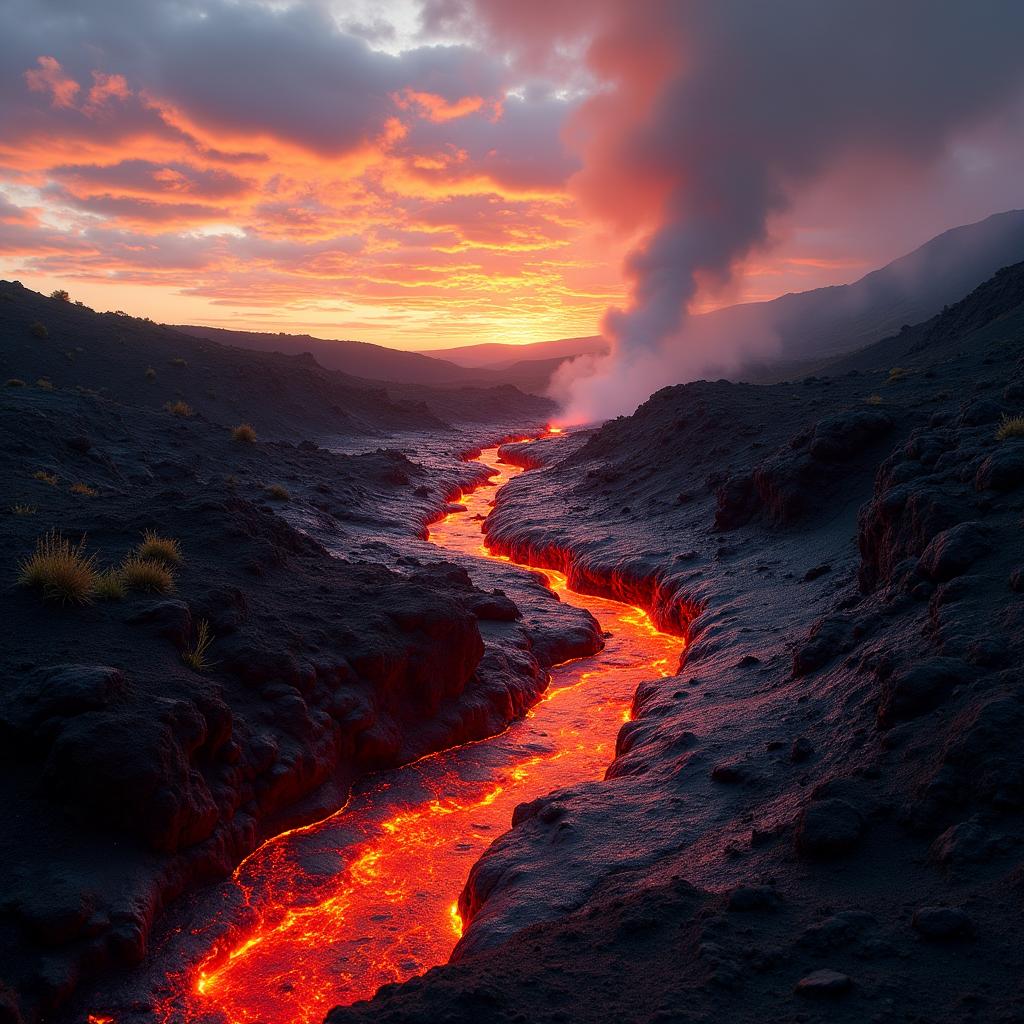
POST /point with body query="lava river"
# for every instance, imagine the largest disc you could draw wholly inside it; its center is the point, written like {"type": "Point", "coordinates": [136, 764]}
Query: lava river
{"type": "Point", "coordinates": [326, 914]}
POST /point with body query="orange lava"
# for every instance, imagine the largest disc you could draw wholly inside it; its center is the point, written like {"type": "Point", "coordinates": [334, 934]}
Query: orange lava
{"type": "Point", "coordinates": [328, 913]}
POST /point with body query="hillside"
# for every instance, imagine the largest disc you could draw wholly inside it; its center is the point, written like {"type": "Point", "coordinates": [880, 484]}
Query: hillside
{"type": "Point", "coordinates": [498, 356]}
{"type": "Point", "coordinates": [844, 553]}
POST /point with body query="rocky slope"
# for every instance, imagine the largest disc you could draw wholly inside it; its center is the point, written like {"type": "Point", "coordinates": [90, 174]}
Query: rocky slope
{"type": "Point", "coordinates": [130, 775]}
{"type": "Point", "coordinates": [820, 817]}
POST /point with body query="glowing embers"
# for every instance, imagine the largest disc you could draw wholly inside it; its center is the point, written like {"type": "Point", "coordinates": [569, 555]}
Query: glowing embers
{"type": "Point", "coordinates": [328, 913]}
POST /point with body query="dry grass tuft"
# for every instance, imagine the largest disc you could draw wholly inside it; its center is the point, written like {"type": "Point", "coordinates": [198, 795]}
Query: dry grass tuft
{"type": "Point", "coordinates": [244, 432]}
{"type": "Point", "coordinates": [161, 549]}
{"type": "Point", "coordinates": [178, 361]}
{"type": "Point", "coordinates": [59, 570]}
{"type": "Point", "coordinates": [84, 489]}
{"type": "Point", "coordinates": [897, 373]}
{"type": "Point", "coordinates": [24, 510]}
{"type": "Point", "coordinates": [45, 384]}
{"type": "Point", "coordinates": [110, 585]}
{"type": "Point", "coordinates": [147, 575]}
{"type": "Point", "coordinates": [195, 655]}
{"type": "Point", "coordinates": [150, 373]}
{"type": "Point", "coordinates": [279, 493]}
{"type": "Point", "coordinates": [874, 399]}
{"type": "Point", "coordinates": [45, 478]}
{"type": "Point", "coordinates": [38, 330]}
{"type": "Point", "coordinates": [1010, 426]}
{"type": "Point", "coordinates": [179, 408]}
{"type": "Point", "coordinates": [15, 382]}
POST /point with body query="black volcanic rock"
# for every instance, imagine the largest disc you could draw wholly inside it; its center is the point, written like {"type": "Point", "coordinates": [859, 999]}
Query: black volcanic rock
{"type": "Point", "coordinates": [828, 829]}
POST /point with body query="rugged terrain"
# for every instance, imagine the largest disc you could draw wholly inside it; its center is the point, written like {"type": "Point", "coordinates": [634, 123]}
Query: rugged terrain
{"type": "Point", "coordinates": [820, 816]}
{"type": "Point", "coordinates": [131, 776]}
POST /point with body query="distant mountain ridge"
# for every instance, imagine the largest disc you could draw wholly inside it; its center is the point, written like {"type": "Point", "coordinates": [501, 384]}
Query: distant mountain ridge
{"type": "Point", "coordinates": [808, 328]}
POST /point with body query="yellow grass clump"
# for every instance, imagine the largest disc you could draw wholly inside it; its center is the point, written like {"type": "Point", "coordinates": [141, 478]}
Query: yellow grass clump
{"type": "Point", "coordinates": [179, 408]}
{"type": "Point", "coordinates": [195, 655]}
{"type": "Point", "coordinates": [110, 585]}
{"type": "Point", "coordinates": [1010, 426]}
{"type": "Point", "coordinates": [160, 549]}
{"type": "Point", "coordinates": [83, 489]}
{"type": "Point", "coordinates": [147, 575]}
{"type": "Point", "coordinates": [24, 510]}
{"type": "Point", "coordinates": [279, 493]}
{"type": "Point", "coordinates": [59, 570]}
{"type": "Point", "coordinates": [45, 477]}
{"type": "Point", "coordinates": [244, 432]}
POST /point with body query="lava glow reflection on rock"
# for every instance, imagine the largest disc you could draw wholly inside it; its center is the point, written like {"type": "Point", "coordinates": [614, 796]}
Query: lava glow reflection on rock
{"type": "Point", "coordinates": [327, 914]}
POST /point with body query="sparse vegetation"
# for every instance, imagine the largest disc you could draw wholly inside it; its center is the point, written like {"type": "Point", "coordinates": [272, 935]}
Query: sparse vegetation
{"type": "Point", "coordinates": [279, 493]}
{"type": "Point", "coordinates": [1010, 426]}
{"type": "Point", "coordinates": [38, 330]}
{"type": "Point", "coordinates": [874, 399]}
{"type": "Point", "coordinates": [244, 432]}
{"type": "Point", "coordinates": [897, 373]}
{"type": "Point", "coordinates": [150, 373]}
{"type": "Point", "coordinates": [178, 361]}
{"type": "Point", "coordinates": [45, 477]}
{"type": "Point", "coordinates": [195, 655]}
{"type": "Point", "coordinates": [160, 549]}
{"type": "Point", "coordinates": [59, 570]}
{"type": "Point", "coordinates": [24, 510]}
{"type": "Point", "coordinates": [15, 382]}
{"type": "Point", "coordinates": [60, 294]}
{"type": "Point", "coordinates": [180, 409]}
{"type": "Point", "coordinates": [84, 490]}
{"type": "Point", "coordinates": [45, 384]}
{"type": "Point", "coordinates": [147, 575]}
{"type": "Point", "coordinates": [110, 585]}
{"type": "Point", "coordinates": [231, 481]}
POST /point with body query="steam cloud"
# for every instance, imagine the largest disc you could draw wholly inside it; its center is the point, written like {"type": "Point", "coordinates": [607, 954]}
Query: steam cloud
{"type": "Point", "coordinates": [715, 113]}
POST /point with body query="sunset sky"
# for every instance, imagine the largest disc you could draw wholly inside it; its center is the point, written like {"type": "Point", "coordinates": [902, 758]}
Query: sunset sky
{"type": "Point", "coordinates": [413, 174]}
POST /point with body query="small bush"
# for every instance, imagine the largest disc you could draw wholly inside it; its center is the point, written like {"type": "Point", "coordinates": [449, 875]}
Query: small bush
{"type": "Point", "coordinates": [179, 408]}
{"type": "Point", "coordinates": [231, 481]}
{"type": "Point", "coordinates": [178, 361]}
{"type": "Point", "coordinates": [45, 384]}
{"type": "Point", "coordinates": [45, 478]}
{"type": "Point", "coordinates": [147, 575]}
{"type": "Point", "coordinates": [38, 330]}
{"type": "Point", "coordinates": [60, 294]}
{"type": "Point", "coordinates": [897, 373]}
{"type": "Point", "coordinates": [15, 382]}
{"type": "Point", "coordinates": [195, 655]}
{"type": "Point", "coordinates": [24, 510]}
{"type": "Point", "coordinates": [110, 585]}
{"type": "Point", "coordinates": [83, 489]}
{"type": "Point", "coordinates": [59, 570]}
{"type": "Point", "coordinates": [161, 549]}
{"type": "Point", "coordinates": [279, 493]}
{"type": "Point", "coordinates": [874, 399]}
{"type": "Point", "coordinates": [150, 373]}
{"type": "Point", "coordinates": [244, 432]}
{"type": "Point", "coordinates": [1010, 426]}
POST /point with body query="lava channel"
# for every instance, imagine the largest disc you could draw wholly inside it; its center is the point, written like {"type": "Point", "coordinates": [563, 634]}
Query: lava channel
{"type": "Point", "coordinates": [326, 914]}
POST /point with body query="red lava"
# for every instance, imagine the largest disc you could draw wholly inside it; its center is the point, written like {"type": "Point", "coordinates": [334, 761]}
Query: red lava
{"type": "Point", "coordinates": [332, 911]}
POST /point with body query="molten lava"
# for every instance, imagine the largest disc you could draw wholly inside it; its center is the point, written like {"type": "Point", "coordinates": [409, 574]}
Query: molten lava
{"type": "Point", "coordinates": [327, 914]}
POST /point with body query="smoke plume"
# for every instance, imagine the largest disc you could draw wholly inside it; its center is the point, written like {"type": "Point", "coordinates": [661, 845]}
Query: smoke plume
{"type": "Point", "coordinates": [710, 116]}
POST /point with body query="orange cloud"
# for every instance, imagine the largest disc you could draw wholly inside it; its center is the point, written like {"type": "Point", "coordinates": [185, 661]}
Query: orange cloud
{"type": "Point", "coordinates": [50, 77]}
{"type": "Point", "coordinates": [437, 109]}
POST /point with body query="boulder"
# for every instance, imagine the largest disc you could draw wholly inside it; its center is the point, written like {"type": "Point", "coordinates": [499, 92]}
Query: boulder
{"type": "Point", "coordinates": [953, 552]}
{"type": "Point", "coordinates": [828, 829]}
{"type": "Point", "coordinates": [823, 984]}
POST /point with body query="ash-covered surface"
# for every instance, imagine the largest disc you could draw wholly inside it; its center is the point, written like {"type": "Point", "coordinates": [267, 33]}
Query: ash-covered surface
{"type": "Point", "coordinates": [820, 817]}
{"type": "Point", "coordinates": [341, 642]}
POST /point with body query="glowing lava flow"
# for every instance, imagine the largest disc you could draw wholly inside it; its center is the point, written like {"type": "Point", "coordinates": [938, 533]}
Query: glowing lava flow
{"type": "Point", "coordinates": [327, 914]}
